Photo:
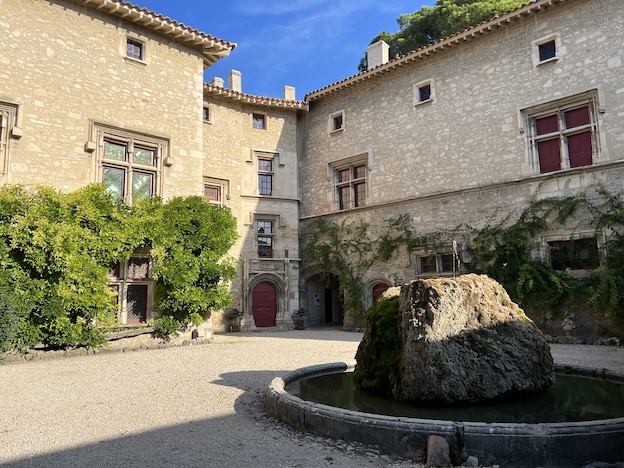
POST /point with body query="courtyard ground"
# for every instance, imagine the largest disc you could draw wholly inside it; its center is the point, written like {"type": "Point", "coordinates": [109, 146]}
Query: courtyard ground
{"type": "Point", "coordinates": [194, 406]}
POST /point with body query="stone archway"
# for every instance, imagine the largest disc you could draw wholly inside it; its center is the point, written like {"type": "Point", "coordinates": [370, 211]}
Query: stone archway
{"type": "Point", "coordinates": [321, 298]}
{"type": "Point", "coordinates": [269, 289]}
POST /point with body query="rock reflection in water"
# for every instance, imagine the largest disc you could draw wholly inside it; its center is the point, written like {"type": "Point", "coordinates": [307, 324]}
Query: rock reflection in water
{"type": "Point", "coordinates": [571, 398]}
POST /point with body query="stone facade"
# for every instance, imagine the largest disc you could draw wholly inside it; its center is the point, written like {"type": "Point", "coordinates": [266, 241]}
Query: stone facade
{"type": "Point", "coordinates": [70, 90]}
{"type": "Point", "coordinates": [446, 132]}
{"type": "Point", "coordinates": [260, 199]}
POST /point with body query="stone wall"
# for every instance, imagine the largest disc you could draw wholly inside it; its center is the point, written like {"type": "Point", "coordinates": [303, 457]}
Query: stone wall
{"type": "Point", "coordinates": [471, 134]}
{"type": "Point", "coordinates": [232, 147]}
{"type": "Point", "coordinates": [464, 156]}
{"type": "Point", "coordinates": [65, 66]}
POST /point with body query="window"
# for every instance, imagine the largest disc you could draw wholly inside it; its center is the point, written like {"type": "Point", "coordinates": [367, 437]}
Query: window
{"type": "Point", "coordinates": [129, 164]}
{"type": "Point", "coordinates": [423, 92]}
{"type": "Point", "coordinates": [265, 238]}
{"type": "Point", "coordinates": [216, 191]}
{"type": "Point", "coordinates": [134, 49]}
{"type": "Point", "coordinates": [128, 170]}
{"type": "Point", "coordinates": [8, 129]}
{"type": "Point", "coordinates": [206, 114]}
{"type": "Point", "coordinates": [259, 121]}
{"type": "Point", "coordinates": [439, 263]}
{"type": "Point", "coordinates": [336, 122]}
{"type": "Point", "coordinates": [133, 286]}
{"type": "Point", "coordinates": [577, 254]}
{"type": "Point", "coordinates": [547, 50]}
{"type": "Point", "coordinates": [265, 176]}
{"type": "Point", "coordinates": [350, 183]}
{"type": "Point", "coordinates": [212, 193]}
{"type": "Point", "coordinates": [436, 263]}
{"type": "Point", "coordinates": [563, 136]}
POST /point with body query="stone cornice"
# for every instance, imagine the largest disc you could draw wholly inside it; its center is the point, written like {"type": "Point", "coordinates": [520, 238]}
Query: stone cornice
{"type": "Point", "coordinates": [212, 48]}
{"type": "Point", "coordinates": [454, 40]}
{"type": "Point", "coordinates": [227, 93]}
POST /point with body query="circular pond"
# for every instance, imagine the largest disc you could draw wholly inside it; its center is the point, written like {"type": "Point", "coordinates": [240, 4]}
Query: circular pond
{"type": "Point", "coordinates": [578, 421]}
{"type": "Point", "coordinates": [571, 398]}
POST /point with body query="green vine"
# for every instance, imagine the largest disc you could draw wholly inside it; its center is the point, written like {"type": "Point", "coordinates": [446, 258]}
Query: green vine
{"type": "Point", "coordinates": [508, 251]}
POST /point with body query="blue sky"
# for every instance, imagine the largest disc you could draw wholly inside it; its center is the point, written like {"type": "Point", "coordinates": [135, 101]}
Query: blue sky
{"type": "Point", "coordinates": [307, 44]}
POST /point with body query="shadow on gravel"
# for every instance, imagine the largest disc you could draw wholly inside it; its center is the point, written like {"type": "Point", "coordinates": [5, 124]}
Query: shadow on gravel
{"type": "Point", "coordinates": [245, 439]}
{"type": "Point", "coordinates": [218, 442]}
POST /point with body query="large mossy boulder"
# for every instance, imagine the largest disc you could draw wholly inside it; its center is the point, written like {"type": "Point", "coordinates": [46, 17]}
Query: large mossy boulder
{"type": "Point", "coordinates": [452, 340]}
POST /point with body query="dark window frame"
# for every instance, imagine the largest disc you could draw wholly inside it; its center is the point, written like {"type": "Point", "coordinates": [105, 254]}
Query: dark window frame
{"type": "Point", "coordinates": [259, 121]}
{"type": "Point", "coordinates": [265, 237]}
{"type": "Point", "coordinates": [135, 49]}
{"type": "Point", "coordinates": [266, 176]}
{"type": "Point", "coordinates": [547, 50]}
{"type": "Point", "coordinates": [574, 254]}
{"type": "Point", "coordinates": [350, 185]}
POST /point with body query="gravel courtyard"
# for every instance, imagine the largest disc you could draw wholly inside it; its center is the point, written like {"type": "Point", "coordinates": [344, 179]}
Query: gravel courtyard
{"type": "Point", "coordinates": [195, 406]}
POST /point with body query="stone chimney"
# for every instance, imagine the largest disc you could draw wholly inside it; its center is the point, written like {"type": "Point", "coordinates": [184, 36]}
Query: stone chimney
{"type": "Point", "coordinates": [217, 82]}
{"type": "Point", "coordinates": [377, 54]}
{"type": "Point", "coordinates": [289, 93]}
{"type": "Point", "coordinates": [235, 81]}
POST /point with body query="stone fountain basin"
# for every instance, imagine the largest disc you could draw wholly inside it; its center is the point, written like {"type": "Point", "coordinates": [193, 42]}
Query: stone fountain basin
{"type": "Point", "coordinates": [507, 444]}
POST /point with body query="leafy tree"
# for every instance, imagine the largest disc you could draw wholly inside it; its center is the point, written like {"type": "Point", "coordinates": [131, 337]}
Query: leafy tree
{"type": "Point", "coordinates": [56, 251]}
{"type": "Point", "coordinates": [430, 24]}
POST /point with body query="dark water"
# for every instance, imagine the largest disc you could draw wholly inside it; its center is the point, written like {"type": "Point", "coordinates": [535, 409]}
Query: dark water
{"type": "Point", "coordinates": [571, 398]}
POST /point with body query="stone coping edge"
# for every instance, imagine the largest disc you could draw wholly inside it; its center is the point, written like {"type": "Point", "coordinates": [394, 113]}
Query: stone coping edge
{"type": "Point", "coordinates": [506, 444]}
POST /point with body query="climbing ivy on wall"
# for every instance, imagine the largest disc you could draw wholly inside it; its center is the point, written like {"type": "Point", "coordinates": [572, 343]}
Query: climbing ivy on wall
{"type": "Point", "coordinates": [57, 249]}
{"type": "Point", "coordinates": [506, 251]}
{"type": "Point", "coordinates": [347, 251]}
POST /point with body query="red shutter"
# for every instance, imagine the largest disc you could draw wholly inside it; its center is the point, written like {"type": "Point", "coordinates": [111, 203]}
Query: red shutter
{"type": "Point", "coordinates": [580, 149]}
{"type": "Point", "coordinates": [546, 125]}
{"type": "Point", "coordinates": [264, 305]}
{"type": "Point", "coordinates": [549, 155]}
{"type": "Point", "coordinates": [577, 117]}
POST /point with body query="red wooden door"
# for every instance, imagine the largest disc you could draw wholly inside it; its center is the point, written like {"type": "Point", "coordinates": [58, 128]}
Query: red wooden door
{"type": "Point", "coordinates": [264, 305]}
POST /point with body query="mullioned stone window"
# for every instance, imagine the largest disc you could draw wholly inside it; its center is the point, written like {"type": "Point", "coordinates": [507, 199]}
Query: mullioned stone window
{"type": "Point", "coordinates": [129, 164]}
{"type": "Point", "coordinates": [350, 182]}
{"type": "Point", "coordinates": [563, 134]}
{"type": "Point", "coordinates": [132, 283]}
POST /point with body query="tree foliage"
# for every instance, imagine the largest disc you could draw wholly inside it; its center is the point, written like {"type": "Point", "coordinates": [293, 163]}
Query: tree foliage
{"type": "Point", "coordinates": [430, 24]}
{"type": "Point", "coordinates": [57, 249]}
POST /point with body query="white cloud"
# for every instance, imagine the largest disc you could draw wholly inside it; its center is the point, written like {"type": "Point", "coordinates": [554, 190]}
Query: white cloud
{"type": "Point", "coordinates": [277, 7]}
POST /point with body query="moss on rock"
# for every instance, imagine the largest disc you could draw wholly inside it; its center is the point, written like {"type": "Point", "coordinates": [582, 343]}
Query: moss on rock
{"type": "Point", "coordinates": [377, 361]}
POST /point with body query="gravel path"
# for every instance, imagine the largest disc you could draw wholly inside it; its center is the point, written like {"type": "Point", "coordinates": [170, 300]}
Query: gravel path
{"type": "Point", "coordinates": [197, 406]}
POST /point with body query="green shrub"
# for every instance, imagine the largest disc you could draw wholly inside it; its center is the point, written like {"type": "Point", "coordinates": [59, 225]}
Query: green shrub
{"type": "Point", "coordinates": [60, 247]}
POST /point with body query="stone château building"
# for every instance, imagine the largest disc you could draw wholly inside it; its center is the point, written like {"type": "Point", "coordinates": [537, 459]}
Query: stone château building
{"type": "Point", "coordinates": [469, 129]}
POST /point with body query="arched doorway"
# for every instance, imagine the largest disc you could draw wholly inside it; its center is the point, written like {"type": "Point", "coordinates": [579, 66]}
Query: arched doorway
{"type": "Point", "coordinates": [264, 304]}
{"type": "Point", "coordinates": [323, 301]}
{"type": "Point", "coordinates": [378, 290]}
